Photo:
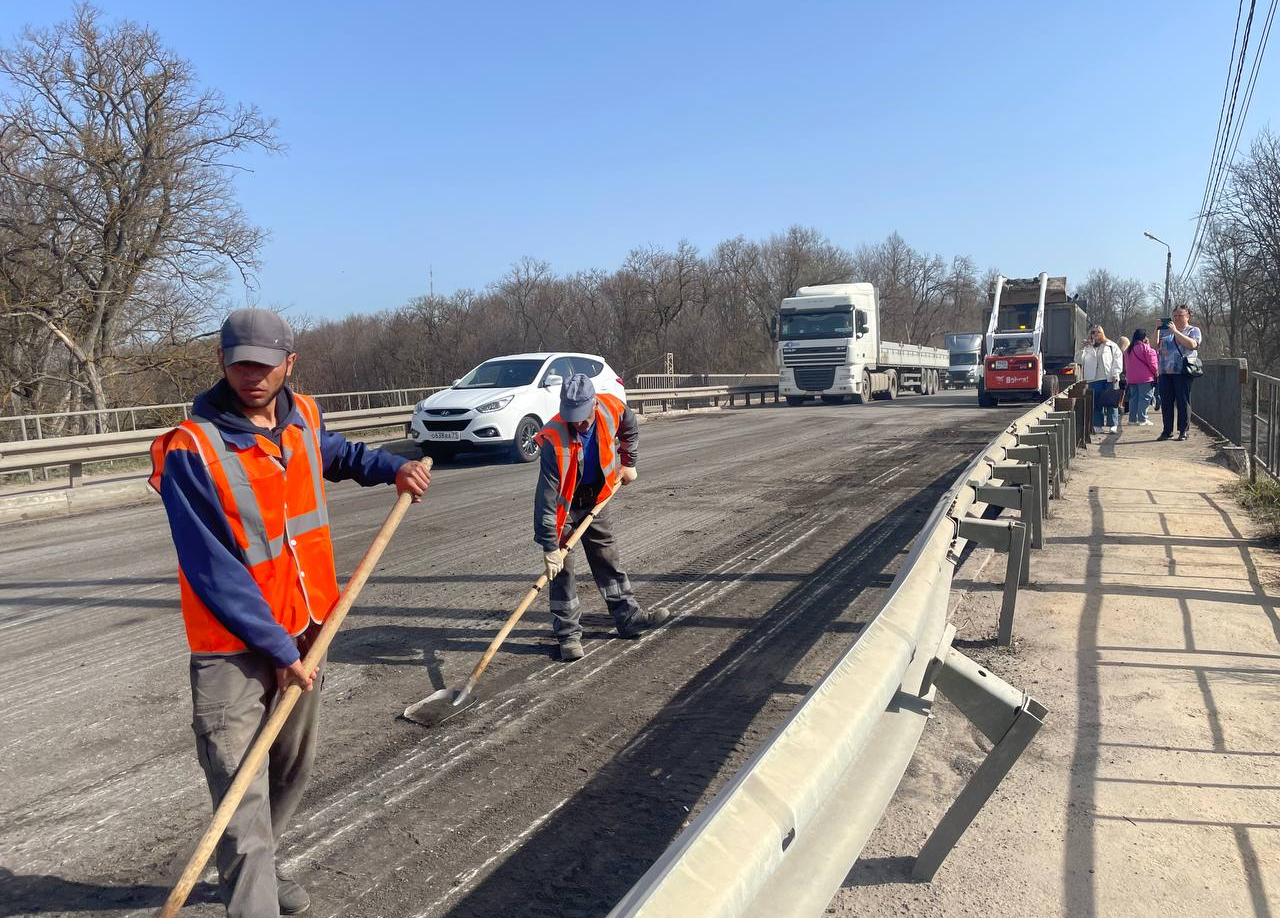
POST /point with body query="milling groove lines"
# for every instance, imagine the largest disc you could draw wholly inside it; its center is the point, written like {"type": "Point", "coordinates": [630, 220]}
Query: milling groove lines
{"type": "Point", "coordinates": [423, 765]}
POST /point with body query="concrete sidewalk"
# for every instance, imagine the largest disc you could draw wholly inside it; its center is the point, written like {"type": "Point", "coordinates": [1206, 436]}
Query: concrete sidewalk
{"type": "Point", "coordinates": [1151, 632]}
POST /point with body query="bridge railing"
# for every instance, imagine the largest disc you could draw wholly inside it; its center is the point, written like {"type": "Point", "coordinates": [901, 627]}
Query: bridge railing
{"type": "Point", "coordinates": [1264, 426]}
{"type": "Point", "coordinates": [49, 425]}
{"type": "Point", "coordinates": [78, 451]}
{"type": "Point", "coordinates": [781, 836]}
{"type": "Point", "coordinates": [1218, 397]}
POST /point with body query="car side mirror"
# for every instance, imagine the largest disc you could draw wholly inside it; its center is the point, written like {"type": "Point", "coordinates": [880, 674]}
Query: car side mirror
{"type": "Point", "coordinates": [551, 379]}
{"type": "Point", "coordinates": [456, 381]}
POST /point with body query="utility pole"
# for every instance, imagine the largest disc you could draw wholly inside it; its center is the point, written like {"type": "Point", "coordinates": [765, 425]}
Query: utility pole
{"type": "Point", "coordinates": [431, 282]}
{"type": "Point", "coordinates": [1168, 268]}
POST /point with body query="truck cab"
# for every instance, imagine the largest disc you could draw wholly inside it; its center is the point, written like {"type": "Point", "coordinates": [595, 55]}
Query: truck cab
{"type": "Point", "coordinates": [829, 346]}
{"type": "Point", "coordinates": [826, 338]}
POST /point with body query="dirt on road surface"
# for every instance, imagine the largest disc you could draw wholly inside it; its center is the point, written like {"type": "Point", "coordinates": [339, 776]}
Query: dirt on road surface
{"type": "Point", "coordinates": [769, 533]}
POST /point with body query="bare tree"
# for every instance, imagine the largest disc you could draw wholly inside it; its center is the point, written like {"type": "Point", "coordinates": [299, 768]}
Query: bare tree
{"type": "Point", "coordinates": [120, 220]}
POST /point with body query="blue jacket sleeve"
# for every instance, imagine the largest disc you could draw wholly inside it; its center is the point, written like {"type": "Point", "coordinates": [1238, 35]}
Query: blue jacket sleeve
{"type": "Point", "coordinates": [204, 544]}
{"type": "Point", "coordinates": [359, 462]}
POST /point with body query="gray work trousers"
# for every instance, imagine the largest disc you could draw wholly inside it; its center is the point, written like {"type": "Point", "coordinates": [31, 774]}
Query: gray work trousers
{"type": "Point", "coordinates": [602, 556]}
{"type": "Point", "coordinates": [232, 696]}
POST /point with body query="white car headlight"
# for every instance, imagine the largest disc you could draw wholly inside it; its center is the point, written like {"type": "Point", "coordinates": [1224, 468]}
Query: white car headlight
{"type": "Point", "coordinates": [421, 406]}
{"type": "Point", "coordinates": [497, 404]}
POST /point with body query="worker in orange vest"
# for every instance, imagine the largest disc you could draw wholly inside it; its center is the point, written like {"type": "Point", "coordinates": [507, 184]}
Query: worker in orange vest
{"type": "Point", "coordinates": [589, 450]}
{"type": "Point", "coordinates": [243, 483]}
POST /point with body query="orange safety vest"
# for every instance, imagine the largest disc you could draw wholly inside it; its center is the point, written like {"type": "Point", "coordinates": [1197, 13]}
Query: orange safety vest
{"type": "Point", "coordinates": [559, 436]}
{"type": "Point", "coordinates": [275, 505]}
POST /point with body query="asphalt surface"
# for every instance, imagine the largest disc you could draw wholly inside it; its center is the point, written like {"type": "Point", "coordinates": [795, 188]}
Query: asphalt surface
{"type": "Point", "coordinates": [769, 533]}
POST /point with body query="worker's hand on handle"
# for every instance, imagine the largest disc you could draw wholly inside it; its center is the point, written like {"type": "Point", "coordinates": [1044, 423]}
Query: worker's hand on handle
{"type": "Point", "coordinates": [294, 672]}
{"type": "Point", "coordinates": [629, 474]}
{"type": "Point", "coordinates": [554, 561]}
{"type": "Point", "coordinates": [413, 478]}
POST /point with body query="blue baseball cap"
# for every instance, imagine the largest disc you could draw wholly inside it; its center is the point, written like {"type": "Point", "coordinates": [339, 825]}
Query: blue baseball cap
{"type": "Point", "coordinates": [577, 398]}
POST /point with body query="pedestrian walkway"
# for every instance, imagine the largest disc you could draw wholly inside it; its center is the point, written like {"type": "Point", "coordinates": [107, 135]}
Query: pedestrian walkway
{"type": "Point", "coordinates": [1151, 632]}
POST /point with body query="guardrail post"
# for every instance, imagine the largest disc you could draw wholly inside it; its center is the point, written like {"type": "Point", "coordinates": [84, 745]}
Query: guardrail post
{"type": "Point", "coordinates": [1253, 432]}
{"type": "Point", "coordinates": [75, 473]}
{"type": "Point", "coordinates": [1055, 467]}
{"type": "Point", "coordinates": [1068, 420]}
{"type": "Point", "coordinates": [1058, 431]}
{"type": "Point", "coordinates": [1010, 718]}
{"type": "Point", "coordinates": [1039, 457]}
{"type": "Point", "coordinates": [1007, 536]}
{"type": "Point", "coordinates": [1028, 476]}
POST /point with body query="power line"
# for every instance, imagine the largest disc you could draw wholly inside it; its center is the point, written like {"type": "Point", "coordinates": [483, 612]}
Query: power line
{"type": "Point", "coordinates": [1206, 216]}
{"type": "Point", "coordinates": [1222, 114]}
{"type": "Point", "coordinates": [1226, 116]}
{"type": "Point", "coordinates": [1244, 114]}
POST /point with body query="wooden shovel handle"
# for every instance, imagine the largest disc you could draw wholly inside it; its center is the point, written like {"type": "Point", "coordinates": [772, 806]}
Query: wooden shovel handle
{"type": "Point", "coordinates": [257, 754]}
{"type": "Point", "coordinates": [529, 597]}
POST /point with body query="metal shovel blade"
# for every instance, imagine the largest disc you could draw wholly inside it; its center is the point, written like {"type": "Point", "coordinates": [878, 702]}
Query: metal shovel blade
{"type": "Point", "coordinates": [435, 709]}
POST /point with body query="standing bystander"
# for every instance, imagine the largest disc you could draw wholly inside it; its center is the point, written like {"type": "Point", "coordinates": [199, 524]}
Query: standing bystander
{"type": "Point", "coordinates": [1177, 339]}
{"type": "Point", "coordinates": [1140, 366]}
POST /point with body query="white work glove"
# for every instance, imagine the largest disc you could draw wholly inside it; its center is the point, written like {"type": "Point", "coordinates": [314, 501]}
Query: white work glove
{"type": "Point", "coordinates": [554, 560]}
{"type": "Point", "coordinates": [629, 474]}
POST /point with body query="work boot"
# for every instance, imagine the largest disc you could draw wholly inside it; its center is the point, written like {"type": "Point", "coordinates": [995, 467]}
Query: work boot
{"type": "Point", "coordinates": [570, 649]}
{"type": "Point", "coordinates": [642, 622]}
{"type": "Point", "coordinates": [293, 898]}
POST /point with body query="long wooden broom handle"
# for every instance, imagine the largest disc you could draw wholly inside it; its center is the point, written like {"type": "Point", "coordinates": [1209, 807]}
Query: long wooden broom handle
{"type": "Point", "coordinates": [529, 597]}
{"type": "Point", "coordinates": [253, 760]}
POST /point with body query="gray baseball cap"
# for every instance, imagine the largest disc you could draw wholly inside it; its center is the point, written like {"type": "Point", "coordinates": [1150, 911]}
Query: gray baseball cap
{"type": "Point", "coordinates": [577, 398]}
{"type": "Point", "coordinates": [256, 336]}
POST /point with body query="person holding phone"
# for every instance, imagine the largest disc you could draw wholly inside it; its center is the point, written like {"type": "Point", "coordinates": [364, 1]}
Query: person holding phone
{"type": "Point", "coordinates": [1176, 338]}
{"type": "Point", "coordinates": [1101, 363]}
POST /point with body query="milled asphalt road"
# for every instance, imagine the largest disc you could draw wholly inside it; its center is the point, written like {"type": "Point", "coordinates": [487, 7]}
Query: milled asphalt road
{"type": "Point", "coordinates": [769, 533]}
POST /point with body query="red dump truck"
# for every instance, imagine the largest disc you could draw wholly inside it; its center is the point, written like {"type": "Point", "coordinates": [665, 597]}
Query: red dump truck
{"type": "Point", "coordinates": [1033, 333]}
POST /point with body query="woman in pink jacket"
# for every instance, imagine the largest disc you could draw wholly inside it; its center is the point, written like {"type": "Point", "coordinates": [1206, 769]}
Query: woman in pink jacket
{"type": "Point", "coordinates": [1140, 367]}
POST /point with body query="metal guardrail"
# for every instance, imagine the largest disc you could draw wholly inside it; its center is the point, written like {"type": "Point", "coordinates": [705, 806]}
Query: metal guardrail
{"type": "Point", "coordinates": [685, 380]}
{"type": "Point", "coordinates": [15, 428]}
{"type": "Point", "coordinates": [1264, 427]}
{"type": "Point", "coordinates": [781, 836]}
{"type": "Point", "coordinates": [78, 451]}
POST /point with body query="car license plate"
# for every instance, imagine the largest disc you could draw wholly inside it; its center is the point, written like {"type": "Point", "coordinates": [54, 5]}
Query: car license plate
{"type": "Point", "coordinates": [1000, 365]}
{"type": "Point", "coordinates": [443, 435]}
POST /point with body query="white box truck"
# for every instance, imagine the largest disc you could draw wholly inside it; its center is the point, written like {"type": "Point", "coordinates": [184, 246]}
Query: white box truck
{"type": "Point", "coordinates": [965, 352]}
{"type": "Point", "coordinates": [829, 346]}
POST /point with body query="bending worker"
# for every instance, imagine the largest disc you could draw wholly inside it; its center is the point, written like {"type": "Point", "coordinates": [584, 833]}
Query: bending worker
{"type": "Point", "coordinates": [243, 486]}
{"type": "Point", "coordinates": [588, 451]}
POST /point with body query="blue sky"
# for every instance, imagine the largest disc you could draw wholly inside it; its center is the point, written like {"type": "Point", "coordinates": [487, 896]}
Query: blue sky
{"type": "Point", "coordinates": [463, 136]}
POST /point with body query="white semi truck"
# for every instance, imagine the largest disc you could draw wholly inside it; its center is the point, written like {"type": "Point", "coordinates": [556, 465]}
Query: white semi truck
{"type": "Point", "coordinates": [829, 346]}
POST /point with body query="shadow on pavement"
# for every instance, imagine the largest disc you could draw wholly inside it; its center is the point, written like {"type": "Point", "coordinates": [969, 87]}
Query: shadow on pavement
{"type": "Point", "coordinates": [32, 894]}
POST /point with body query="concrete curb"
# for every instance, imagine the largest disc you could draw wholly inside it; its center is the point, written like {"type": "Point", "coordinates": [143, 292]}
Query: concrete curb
{"type": "Point", "coordinates": [43, 505]}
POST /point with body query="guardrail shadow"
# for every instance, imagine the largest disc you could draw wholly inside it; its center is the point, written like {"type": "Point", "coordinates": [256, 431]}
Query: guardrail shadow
{"type": "Point", "coordinates": [1084, 819]}
{"type": "Point", "coordinates": [594, 848]}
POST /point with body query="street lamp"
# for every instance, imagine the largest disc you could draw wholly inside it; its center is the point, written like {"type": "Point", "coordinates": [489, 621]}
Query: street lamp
{"type": "Point", "coordinates": [1168, 268]}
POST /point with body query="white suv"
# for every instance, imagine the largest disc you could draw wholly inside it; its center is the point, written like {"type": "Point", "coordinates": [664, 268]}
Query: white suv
{"type": "Point", "coordinates": [503, 403]}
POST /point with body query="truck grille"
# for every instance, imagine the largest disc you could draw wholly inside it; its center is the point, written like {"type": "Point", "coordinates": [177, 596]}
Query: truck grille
{"type": "Point", "coordinates": [815, 379]}
{"type": "Point", "coordinates": [814, 356]}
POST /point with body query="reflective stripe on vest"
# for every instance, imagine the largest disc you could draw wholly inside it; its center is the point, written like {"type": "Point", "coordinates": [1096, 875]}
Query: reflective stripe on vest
{"type": "Point", "coordinates": [261, 547]}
